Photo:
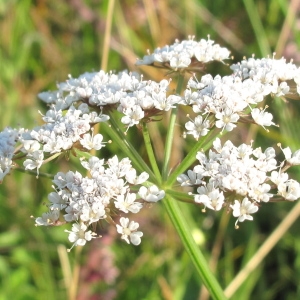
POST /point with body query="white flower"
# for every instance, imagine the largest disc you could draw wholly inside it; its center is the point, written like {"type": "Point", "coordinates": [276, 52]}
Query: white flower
{"type": "Point", "coordinates": [260, 193]}
{"type": "Point", "coordinates": [226, 119]}
{"type": "Point", "coordinates": [240, 170]}
{"type": "Point", "coordinates": [180, 60]}
{"type": "Point", "coordinates": [210, 197]}
{"type": "Point", "coordinates": [62, 130]}
{"type": "Point", "coordinates": [128, 203]}
{"type": "Point", "coordinates": [198, 127]}
{"type": "Point", "coordinates": [189, 97]}
{"type": "Point", "coordinates": [55, 144]}
{"type": "Point", "coordinates": [48, 218]}
{"type": "Point", "coordinates": [5, 166]}
{"type": "Point", "coordinates": [89, 200]}
{"type": "Point", "coordinates": [58, 200]}
{"type": "Point", "coordinates": [35, 162]}
{"type": "Point", "coordinates": [92, 214]}
{"type": "Point", "coordinates": [95, 166]}
{"type": "Point", "coordinates": [72, 212]}
{"type": "Point", "coordinates": [151, 194]}
{"type": "Point", "coordinates": [291, 159]}
{"type": "Point", "coordinates": [132, 178]}
{"type": "Point", "coordinates": [192, 178]}
{"type": "Point", "coordinates": [243, 210]}
{"type": "Point", "coordinates": [269, 71]}
{"type": "Point", "coordinates": [79, 236]}
{"type": "Point", "coordinates": [49, 97]}
{"type": "Point", "coordinates": [117, 168]}
{"type": "Point", "coordinates": [180, 54]}
{"type": "Point", "coordinates": [8, 138]}
{"type": "Point", "coordinates": [92, 141]}
{"type": "Point", "coordinates": [132, 116]}
{"type": "Point", "coordinates": [30, 146]}
{"type": "Point", "coordinates": [261, 117]}
{"type": "Point", "coordinates": [279, 177]}
{"type": "Point", "coordinates": [162, 102]}
{"type": "Point", "coordinates": [290, 190]}
{"type": "Point", "coordinates": [282, 89]}
{"type": "Point", "coordinates": [128, 231]}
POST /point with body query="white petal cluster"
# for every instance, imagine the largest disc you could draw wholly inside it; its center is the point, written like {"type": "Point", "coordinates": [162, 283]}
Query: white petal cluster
{"type": "Point", "coordinates": [240, 173]}
{"type": "Point", "coordinates": [243, 210]}
{"type": "Point", "coordinates": [151, 194]}
{"type": "Point", "coordinates": [221, 101]}
{"type": "Point", "coordinates": [235, 178]}
{"type": "Point", "coordinates": [62, 130]}
{"type": "Point", "coordinates": [34, 161]}
{"type": "Point", "coordinates": [292, 159]}
{"type": "Point", "coordinates": [128, 231]}
{"type": "Point", "coordinates": [197, 127]}
{"type": "Point", "coordinates": [270, 72]}
{"type": "Point", "coordinates": [289, 190]}
{"type": "Point", "coordinates": [107, 192]}
{"type": "Point", "coordinates": [8, 139]}
{"type": "Point", "coordinates": [184, 54]}
{"type": "Point", "coordinates": [48, 218]}
{"type": "Point", "coordinates": [133, 97]}
{"type": "Point", "coordinates": [79, 235]}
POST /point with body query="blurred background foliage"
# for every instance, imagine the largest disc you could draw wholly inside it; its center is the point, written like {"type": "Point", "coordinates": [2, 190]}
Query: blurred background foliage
{"type": "Point", "coordinates": [43, 41]}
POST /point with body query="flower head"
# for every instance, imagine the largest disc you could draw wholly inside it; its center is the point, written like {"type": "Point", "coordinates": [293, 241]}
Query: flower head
{"type": "Point", "coordinates": [185, 54]}
{"type": "Point", "coordinates": [8, 139]}
{"type": "Point", "coordinates": [231, 171]}
{"type": "Point", "coordinates": [151, 194]}
{"type": "Point", "coordinates": [243, 210]}
{"type": "Point", "coordinates": [79, 236]}
{"type": "Point", "coordinates": [128, 231]}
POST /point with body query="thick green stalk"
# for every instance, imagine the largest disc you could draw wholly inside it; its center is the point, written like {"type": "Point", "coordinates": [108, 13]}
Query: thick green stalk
{"type": "Point", "coordinates": [193, 250]}
{"type": "Point", "coordinates": [150, 152]}
{"type": "Point", "coordinates": [168, 145]}
{"type": "Point", "coordinates": [176, 214]}
{"type": "Point", "coordinates": [170, 133]}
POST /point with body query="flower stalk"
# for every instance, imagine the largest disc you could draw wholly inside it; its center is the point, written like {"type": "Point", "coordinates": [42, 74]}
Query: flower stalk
{"type": "Point", "coordinates": [192, 249]}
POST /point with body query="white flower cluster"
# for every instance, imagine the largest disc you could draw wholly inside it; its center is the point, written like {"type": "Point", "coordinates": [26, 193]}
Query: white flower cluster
{"type": "Point", "coordinates": [135, 98]}
{"type": "Point", "coordinates": [185, 54]}
{"type": "Point", "coordinates": [237, 178]}
{"type": "Point", "coordinates": [8, 139]}
{"type": "Point", "coordinates": [225, 98]}
{"type": "Point", "coordinates": [107, 193]}
{"type": "Point", "coordinates": [222, 101]}
{"type": "Point", "coordinates": [271, 73]}
{"type": "Point", "coordinates": [241, 175]}
{"type": "Point", "coordinates": [61, 132]}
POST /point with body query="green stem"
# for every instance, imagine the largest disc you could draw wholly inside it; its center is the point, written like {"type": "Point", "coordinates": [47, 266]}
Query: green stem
{"type": "Point", "coordinates": [51, 157]}
{"type": "Point", "coordinates": [150, 152]}
{"type": "Point", "coordinates": [30, 172]}
{"type": "Point", "coordinates": [170, 133]}
{"type": "Point", "coordinates": [202, 144]}
{"type": "Point", "coordinates": [193, 250]}
{"type": "Point", "coordinates": [181, 196]}
{"type": "Point", "coordinates": [120, 138]}
{"type": "Point", "coordinates": [169, 141]}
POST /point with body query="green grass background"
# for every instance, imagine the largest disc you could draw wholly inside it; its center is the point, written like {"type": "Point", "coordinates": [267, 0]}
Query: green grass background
{"type": "Point", "coordinates": [43, 41]}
